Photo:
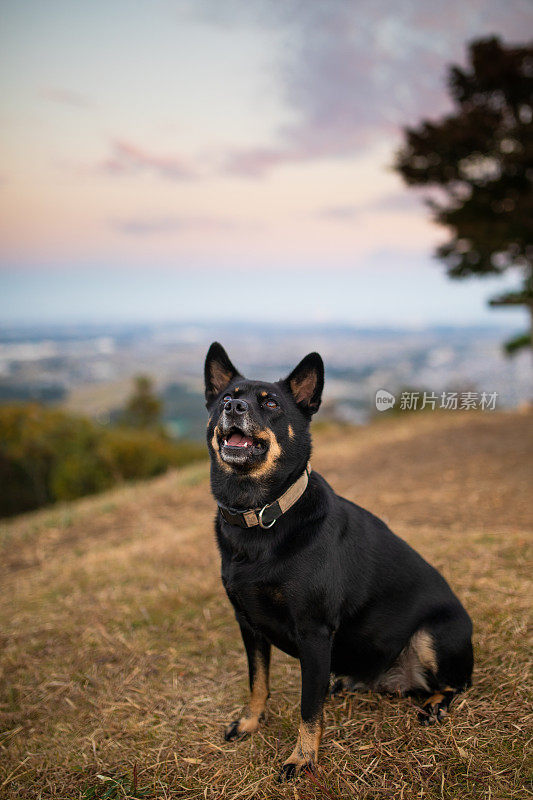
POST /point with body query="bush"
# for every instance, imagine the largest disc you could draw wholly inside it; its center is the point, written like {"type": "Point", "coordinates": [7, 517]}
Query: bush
{"type": "Point", "coordinates": [142, 454]}
{"type": "Point", "coordinates": [48, 455]}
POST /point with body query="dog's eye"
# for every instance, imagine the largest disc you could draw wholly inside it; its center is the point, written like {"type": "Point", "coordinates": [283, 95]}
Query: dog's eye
{"type": "Point", "coordinates": [226, 398]}
{"type": "Point", "coordinates": [271, 404]}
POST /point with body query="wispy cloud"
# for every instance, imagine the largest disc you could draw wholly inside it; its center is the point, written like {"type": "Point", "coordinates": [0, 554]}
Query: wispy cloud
{"type": "Point", "coordinates": [398, 202]}
{"type": "Point", "coordinates": [357, 71]}
{"type": "Point", "coordinates": [127, 158]}
{"type": "Point", "coordinates": [66, 97]}
{"type": "Point", "coordinates": [340, 213]}
{"type": "Point", "coordinates": [148, 226]}
{"type": "Point", "coordinates": [395, 202]}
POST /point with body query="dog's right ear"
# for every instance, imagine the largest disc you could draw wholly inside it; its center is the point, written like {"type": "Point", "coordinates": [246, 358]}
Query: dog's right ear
{"type": "Point", "coordinates": [219, 371]}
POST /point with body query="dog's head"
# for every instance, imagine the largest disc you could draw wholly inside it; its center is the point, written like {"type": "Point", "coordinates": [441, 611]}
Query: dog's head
{"type": "Point", "coordinates": [258, 432]}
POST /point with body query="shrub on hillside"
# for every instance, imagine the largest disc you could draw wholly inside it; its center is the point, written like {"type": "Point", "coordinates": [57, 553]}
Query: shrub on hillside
{"type": "Point", "coordinates": [48, 455]}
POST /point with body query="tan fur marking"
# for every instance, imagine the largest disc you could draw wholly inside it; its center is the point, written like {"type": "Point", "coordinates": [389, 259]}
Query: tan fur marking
{"type": "Point", "coordinates": [264, 394]}
{"type": "Point", "coordinates": [306, 749]}
{"type": "Point", "coordinates": [277, 596]}
{"type": "Point", "coordinates": [274, 452]}
{"type": "Point", "coordinates": [291, 431]}
{"type": "Point", "coordinates": [214, 445]}
{"type": "Point", "coordinates": [304, 389]}
{"type": "Point", "coordinates": [259, 693]}
{"type": "Point", "coordinates": [266, 466]}
{"type": "Point", "coordinates": [258, 697]}
{"type": "Point", "coordinates": [434, 700]}
{"type": "Point", "coordinates": [408, 671]}
{"type": "Point", "coordinates": [219, 377]}
{"type": "Point", "coordinates": [422, 642]}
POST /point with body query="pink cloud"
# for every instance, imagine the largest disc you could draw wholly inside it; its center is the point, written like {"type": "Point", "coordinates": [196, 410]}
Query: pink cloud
{"type": "Point", "coordinates": [127, 158]}
{"type": "Point", "coordinates": [359, 71]}
{"type": "Point", "coordinates": [66, 97]}
{"type": "Point", "coordinates": [148, 226]}
{"type": "Point", "coordinates": [394, 202]}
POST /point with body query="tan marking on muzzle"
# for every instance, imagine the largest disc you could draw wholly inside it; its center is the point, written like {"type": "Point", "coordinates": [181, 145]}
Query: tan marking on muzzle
{"type": "Point", "coordinates": [274, 451]}
{"type": "Point", "coordinates": [216, 448]}
{"type": "Point", "coordinates": [291, 431]}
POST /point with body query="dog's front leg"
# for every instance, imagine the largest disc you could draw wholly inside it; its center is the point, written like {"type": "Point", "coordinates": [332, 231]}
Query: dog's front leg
{"type": "Point", "coordinates": [258, 653]}
{"type": "Point", "coordinates": [315, 661]}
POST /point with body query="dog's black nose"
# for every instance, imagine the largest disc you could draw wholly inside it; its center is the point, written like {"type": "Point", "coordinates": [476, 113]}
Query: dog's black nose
{"type": "Point", "coordinates": [235, 406]}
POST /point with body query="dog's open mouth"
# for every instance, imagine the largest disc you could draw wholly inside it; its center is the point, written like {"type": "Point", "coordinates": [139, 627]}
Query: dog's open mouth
{"type": "Point", "coordinates": [237, 447]}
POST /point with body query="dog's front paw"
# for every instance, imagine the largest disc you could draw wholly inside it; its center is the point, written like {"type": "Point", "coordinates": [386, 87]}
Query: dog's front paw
{"type": "Point", "coordinates": [232, 731]}
{"type": "Point", "coordinates": [292, 768]}
{"type": "Point", "coordinates": [241, 727]}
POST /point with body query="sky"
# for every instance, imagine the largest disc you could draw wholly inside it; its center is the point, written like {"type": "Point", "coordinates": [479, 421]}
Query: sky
{"type": "Point", "coordinates": [198, 159]}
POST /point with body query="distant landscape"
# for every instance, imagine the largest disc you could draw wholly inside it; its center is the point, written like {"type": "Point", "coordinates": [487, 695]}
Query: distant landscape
{"type": "Point", "coordinates": [88, 369]}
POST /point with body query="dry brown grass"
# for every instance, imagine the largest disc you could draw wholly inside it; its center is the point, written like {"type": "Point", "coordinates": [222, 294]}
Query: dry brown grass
{"type": "Point", "coordinates": [121, 657]}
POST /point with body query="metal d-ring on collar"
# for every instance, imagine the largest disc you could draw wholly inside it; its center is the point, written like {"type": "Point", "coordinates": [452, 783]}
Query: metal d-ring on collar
{"type": "Point", "coordinates": [260, 519]}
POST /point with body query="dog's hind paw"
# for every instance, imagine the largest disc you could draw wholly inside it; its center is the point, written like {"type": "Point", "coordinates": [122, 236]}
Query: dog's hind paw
{"type": "Point", "coordinates": [344, 684]}
{"type": "Point", "coordinates": [435, 709]}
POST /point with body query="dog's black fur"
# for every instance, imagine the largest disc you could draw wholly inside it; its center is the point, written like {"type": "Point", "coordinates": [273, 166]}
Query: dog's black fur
{"type": "Point", "coordinates": [329, 583]}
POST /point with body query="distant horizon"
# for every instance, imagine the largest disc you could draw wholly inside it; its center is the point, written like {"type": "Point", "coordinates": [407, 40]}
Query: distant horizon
{"type": "Point", "coordinates": [416, 293]}
{"type": "Point", "coordinates": [330, 326]}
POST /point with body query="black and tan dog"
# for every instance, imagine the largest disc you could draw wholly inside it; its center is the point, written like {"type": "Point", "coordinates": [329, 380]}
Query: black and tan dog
{"type": "Point", "coordinates": [314, 574]}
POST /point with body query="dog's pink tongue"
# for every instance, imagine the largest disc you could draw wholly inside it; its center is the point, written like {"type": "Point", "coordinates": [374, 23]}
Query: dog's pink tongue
{"type": "Point", "coordinates": [238, 440]}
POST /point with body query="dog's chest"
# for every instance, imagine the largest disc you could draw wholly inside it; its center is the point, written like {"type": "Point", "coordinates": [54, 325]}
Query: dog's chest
{"type": "Point", "coordinates": [257, 596]}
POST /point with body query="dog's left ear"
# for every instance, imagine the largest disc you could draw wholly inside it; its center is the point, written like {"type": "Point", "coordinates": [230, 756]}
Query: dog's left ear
{"type": "Point", "coordinates": [219, 371]}
{"type": "Point", "coordinates": [306, 382]}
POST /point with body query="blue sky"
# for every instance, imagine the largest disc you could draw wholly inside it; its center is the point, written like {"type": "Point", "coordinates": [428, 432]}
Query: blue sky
{"type": "Point", "coordinates": [200, 159]}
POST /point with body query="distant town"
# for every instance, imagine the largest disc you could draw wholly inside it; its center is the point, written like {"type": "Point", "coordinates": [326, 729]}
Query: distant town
{"type": "Point", "coordinates": [88, 369]}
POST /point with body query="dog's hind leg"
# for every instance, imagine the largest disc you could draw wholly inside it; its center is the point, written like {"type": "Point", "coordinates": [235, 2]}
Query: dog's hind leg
{"type": "Point", "coordinates": [258, 653]}
{"type": "Point", "coordinates": [452, 645]}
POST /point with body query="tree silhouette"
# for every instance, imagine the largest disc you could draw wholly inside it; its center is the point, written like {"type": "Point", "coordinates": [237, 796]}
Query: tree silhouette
{"type": "Point", "coordinates": [143, 408]}
{"type": "Point", "coordinates": [480, 160]}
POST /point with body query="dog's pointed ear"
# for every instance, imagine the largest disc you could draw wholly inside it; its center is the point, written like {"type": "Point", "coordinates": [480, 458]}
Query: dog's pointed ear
{"type": "Point", "coordinates": [306, 382]}
{"type": "Point", "coordinates": [219, 371]}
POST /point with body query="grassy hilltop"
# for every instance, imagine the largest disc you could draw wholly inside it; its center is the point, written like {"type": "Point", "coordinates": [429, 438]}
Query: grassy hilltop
{"type": "Point", "coordinates": [121, 658]}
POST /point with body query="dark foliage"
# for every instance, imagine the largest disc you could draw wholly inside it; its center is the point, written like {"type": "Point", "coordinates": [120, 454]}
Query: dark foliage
{"type": "Point", "coordinates": [480, 159]}
{"type": "Point", "coordinates": [143, 408]}
{"type": "Point", "coordinates": [48, 455]}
